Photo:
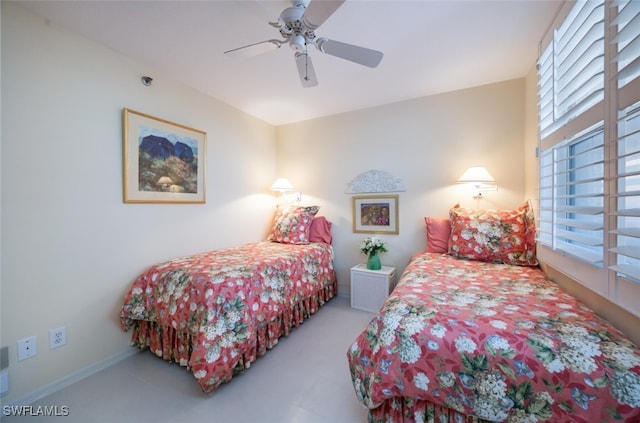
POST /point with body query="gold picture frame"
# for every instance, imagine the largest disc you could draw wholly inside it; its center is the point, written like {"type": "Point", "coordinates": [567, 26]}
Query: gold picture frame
{"type": "Point", "coordinates": [163, 161]}
{"type": "Point", "coordinates": [375, 214]}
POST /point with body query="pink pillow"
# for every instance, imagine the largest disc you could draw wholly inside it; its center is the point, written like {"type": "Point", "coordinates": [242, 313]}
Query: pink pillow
{"type": "Point", "coordinates": [291, 225]}
{"type": "Point", "coordinates": [503, 236]}
{"type": "Point", "coordinates": [320, 230]}
{"type": "Point", "coordinates": [438, 232]}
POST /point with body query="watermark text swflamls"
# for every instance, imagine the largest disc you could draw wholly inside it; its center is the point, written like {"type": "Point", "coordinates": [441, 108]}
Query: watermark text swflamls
{"type": "Point", "coordinates": [36, 410]}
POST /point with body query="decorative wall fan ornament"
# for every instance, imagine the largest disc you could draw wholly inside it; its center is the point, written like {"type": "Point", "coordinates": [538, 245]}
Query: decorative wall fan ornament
{"type": "Point", "coordinates": [297, 25]}
{"type": "Point", "coordinates": [375, 181]}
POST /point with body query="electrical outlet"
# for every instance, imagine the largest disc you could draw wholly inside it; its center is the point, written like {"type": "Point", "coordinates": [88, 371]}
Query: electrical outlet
{"type": "Point", "coordinates": [27, 348]}
{"type": "Point", "coordinates": [57, 337]}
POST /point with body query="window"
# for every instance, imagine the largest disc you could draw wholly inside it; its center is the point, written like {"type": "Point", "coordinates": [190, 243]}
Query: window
{"type": "Point", "coordinates": [571, 70]}
{"type": "Point", "coordinates": [574, 204]}
{"type": "Point", "coordinates": [627, 230]}
{"type": "Point", "coordinates": [589, 164]}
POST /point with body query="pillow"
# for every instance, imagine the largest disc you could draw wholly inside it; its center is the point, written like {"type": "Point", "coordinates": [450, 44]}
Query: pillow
{"type": "Point", "coordinates": [502, 236]}
{"type": "Point", "coordinates": [320, 230]}
{"type": "Point", "coordinates": [291, 225]}
{"type": "Point", "coordinates": [438, 232]}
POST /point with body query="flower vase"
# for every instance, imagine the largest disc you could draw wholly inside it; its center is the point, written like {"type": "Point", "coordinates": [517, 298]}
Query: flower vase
{"type": "Point", "coordinates": [373, 263]}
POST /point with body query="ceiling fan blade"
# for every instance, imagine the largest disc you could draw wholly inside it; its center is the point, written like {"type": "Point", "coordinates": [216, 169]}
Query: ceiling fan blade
{"type": "Point", "coordinates": [361, 55]}
{"type": "Point", "coordinates": [318, 11]}
{"type": "Point", "coordinates": [305, 70]}
{"type": "Point", "coordinates": [254, 49]}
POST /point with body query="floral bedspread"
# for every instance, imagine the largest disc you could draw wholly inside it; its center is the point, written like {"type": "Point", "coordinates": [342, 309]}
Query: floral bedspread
{"type": "Point", "coordinates": [494, 341]}
{"type": "Point", "coordinates": [219, 299]}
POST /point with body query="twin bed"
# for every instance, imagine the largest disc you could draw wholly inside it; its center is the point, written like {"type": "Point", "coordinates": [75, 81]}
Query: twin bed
{"type": "Point", "coordinates": [216, 312]}
{"type": "Point", "coordinates": [474, 332]}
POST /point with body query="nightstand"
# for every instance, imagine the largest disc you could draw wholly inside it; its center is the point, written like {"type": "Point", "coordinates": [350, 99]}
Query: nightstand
{"type": "Point", "coordinates": [370, 288]}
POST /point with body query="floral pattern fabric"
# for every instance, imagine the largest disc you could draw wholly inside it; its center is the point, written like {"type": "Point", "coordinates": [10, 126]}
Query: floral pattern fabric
{"type": "Point", "coordinates": [291, 225]}
{"type": "Point", "coordinates": [494, 341]}
{"type": "Point", "coordinates": [501, 236]}
{"type": "Point", "coordinates": [210, 311]}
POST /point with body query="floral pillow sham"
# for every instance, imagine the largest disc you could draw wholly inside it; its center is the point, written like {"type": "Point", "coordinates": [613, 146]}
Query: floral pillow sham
{"type": "Point", "coordinates": [500, 236]}
{"type": "Point", "coordinates": [291, 225]}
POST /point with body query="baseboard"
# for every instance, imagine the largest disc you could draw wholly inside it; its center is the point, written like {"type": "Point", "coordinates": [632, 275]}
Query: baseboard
{"type": "Point", "coordinates": [72, 378]}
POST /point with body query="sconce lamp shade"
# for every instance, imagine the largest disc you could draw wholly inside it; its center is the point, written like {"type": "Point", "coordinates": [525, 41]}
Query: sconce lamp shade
{"type": "Point", "coordinates": [476, 175]}
{"type": "Point", "coordinates": [481, 180]}
{"type": "Point", "coordinates": [282, 185]}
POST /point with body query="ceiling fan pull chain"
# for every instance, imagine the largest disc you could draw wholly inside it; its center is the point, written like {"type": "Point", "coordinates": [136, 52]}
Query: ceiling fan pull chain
{"type": "Point", "coordinates": [306, 63]}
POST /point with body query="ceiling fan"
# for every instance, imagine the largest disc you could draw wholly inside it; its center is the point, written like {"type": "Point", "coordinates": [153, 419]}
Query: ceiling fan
{"type": "Point", "coordinates": [297, 25]}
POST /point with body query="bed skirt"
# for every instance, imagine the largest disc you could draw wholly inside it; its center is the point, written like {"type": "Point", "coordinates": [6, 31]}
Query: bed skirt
{"type": "Point", "coordinates": [174, 346]}
{"type": "Point", "coordinates": [411, 410]}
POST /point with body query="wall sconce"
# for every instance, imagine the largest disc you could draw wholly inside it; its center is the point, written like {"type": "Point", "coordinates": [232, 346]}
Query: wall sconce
{"type": "Point", "coordinates": [282, 184]}
{"type": "Point", "coordinates": [481, 180]}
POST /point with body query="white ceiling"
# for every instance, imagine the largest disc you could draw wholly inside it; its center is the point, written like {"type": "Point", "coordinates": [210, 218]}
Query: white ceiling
{"type": "Point", "coordinates": [429, 47]}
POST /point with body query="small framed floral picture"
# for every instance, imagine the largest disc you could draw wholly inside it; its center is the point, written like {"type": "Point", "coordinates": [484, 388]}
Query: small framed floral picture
{"type": "Point", "coordinates": [375, 214]}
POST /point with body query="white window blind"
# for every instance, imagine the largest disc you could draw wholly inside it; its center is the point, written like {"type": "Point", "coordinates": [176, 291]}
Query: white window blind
{"type": "Point", "coordinates": [572, 196]}
{"type": "Point", "coordinates": [627, 41]}
{"type": "Point", "coordinates": [580, 58]}
{"type": "Point", "coordinates": [571, 69]}
{"type": "Point", "coordinates": [545, 89]}
{"type": "Point", "coordinates": [546, 199]}
{"type": "Point", "coordinates": [627, 231]}
{"type": "Point", "coordinates": [626, 245]}
{"type": "Point", "coordinates": [589, 162]}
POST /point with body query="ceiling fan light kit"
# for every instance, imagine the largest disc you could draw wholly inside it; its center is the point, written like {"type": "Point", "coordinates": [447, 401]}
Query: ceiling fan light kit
{"type": "Point", "coordinates": [297, 25]}
{"type": "Point", "coordinates": [298, 43]}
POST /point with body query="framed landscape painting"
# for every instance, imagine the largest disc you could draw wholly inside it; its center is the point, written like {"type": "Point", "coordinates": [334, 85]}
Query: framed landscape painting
{"type": "Point", "coordinates": [375, 214]}
{"type": "Point", "coordinates": [163, 161]}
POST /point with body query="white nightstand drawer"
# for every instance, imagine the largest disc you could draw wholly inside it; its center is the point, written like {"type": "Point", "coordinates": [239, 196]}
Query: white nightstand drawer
{"type": "Point", "coordinates": [370, 288]}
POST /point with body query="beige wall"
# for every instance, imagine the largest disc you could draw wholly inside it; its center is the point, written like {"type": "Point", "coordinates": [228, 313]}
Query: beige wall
{"type": "Point", "coordinates": [70, 246]}
{"type": "Point", "coordinates": [427, 143]}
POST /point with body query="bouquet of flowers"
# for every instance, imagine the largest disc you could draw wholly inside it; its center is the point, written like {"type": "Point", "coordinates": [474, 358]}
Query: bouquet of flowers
{"type": "Point", "coordinates": [372, 245]}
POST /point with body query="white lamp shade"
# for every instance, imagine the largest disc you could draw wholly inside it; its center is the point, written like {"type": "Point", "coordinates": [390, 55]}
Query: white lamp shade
{"type": "Point", "coordinates": [476, 175]}
{"type": "Point", "coordinates": [282, 184]}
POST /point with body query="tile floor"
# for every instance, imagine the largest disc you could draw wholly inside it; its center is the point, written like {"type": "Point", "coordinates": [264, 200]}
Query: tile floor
{"type": "Point", "coordinates": [304, 379]}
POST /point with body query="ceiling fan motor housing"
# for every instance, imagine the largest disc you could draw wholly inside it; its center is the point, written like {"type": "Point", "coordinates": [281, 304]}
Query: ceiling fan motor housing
{"type": "Point", "coordinates": [292, 18]}
{"type": "Point", "coordinates": [295, 29]}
